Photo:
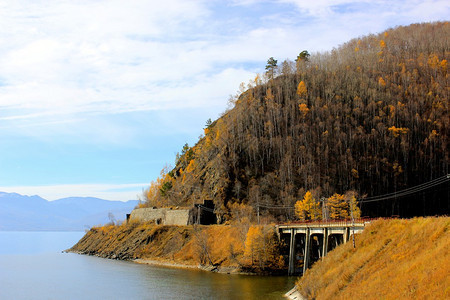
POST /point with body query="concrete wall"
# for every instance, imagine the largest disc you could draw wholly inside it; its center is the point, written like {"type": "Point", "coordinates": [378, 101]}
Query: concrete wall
{"type": "Point", "coordinates": [147, 214]}
{"type": "Point", "coordinates": [165, 215]}
{"type": "Point", "coordinates": [177, 217]}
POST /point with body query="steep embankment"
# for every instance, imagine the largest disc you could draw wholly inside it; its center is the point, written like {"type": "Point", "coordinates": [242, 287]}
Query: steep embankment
{"type": "Point", "coordinates": [396, 259]}
{"type": "Point", "coordinates": [219, 247]}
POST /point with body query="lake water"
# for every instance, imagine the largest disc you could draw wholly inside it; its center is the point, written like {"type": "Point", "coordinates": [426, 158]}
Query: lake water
{"type": "Point", "coordinates": [33, 267]}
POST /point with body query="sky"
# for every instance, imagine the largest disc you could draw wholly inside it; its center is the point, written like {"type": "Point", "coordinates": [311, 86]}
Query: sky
{"type": "Point", "coordinates": [97, 96]}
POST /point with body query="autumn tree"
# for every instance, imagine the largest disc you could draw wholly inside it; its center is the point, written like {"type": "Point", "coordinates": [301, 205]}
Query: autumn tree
{"type": "Point", "coordinates": [308, 208]}
{"type": "Point", "coordinates": [301, 89]}
{"type": "Point", "coordinates": [240, 213]}
{"type": "Point", "coordinates": [203, 245]}
{"type": "Point", "coordinates": [262, 247]}
{"type": "Point", "coordinates": [253, 242]}
{"type": "Point", "coordinates": [338, 207]}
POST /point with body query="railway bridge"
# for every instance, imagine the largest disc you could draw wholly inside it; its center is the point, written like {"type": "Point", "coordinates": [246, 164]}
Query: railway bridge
{"type": "Point", "coordinates": [308, 242]}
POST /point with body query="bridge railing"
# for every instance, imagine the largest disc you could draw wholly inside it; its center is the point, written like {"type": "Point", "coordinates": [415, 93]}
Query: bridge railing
{"type": "Point", "coordinates": [332, 222]}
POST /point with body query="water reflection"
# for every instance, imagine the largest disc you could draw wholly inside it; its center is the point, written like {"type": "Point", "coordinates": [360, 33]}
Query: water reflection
{"type": "Point", "coordinates": [205, 285]}
{"type": "Point", "coordinates": [32, 267]}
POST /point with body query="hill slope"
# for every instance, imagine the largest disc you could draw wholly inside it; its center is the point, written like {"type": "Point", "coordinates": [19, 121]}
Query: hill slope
{"type": "Point", "coordinates": [370, 116]}
{"type": "Point", "coordinates": [395, 259]}
{"type": "Point", "coordinates": [18, 212]}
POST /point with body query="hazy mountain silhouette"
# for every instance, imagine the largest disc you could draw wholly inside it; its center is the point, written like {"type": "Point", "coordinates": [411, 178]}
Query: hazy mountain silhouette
{"type": "Point", "coordinates": [19, 212]}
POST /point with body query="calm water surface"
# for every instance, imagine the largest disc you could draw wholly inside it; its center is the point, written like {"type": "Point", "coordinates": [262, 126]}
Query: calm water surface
{"type": "Point", "coordinates": [33, 267]}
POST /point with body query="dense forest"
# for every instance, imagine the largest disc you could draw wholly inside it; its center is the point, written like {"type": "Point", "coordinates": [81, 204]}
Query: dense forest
{"type": "Point", "coordinates": [370, 116]}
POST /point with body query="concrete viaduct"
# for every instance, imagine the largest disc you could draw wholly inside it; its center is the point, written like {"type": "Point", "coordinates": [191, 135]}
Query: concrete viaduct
{"type": "Point", "coordinates": [308, 242]}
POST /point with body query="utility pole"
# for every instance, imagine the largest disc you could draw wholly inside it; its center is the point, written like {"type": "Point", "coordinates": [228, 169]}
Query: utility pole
{"type": "Point", "coordinates": [353, 222]}
{"type": "Point", "coordinates": [324, 209]}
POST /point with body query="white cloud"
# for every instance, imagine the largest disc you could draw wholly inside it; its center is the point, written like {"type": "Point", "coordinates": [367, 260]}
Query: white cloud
{"type": "Point", "coordinates": [116, 192]}
{"type": "Point", "coordinates": [71, 72]}
{"type": "Point", "coordinates": [68, 60]}
{"type": "Point", "coordinates": [385, 11]}
{"type": "Point", "coordinates": [69, 56]}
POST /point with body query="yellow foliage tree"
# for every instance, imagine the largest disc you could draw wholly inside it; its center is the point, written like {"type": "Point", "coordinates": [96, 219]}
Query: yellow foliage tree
{"type": "Point", "coordinates": [444, 65]}
{"type": "Point", "coordinates": [151, 194]}
{"type": "Point", "coordinates": [338, 207]}
{"type": "Point", "coordinates": [301, 89]}
{"type": "Point", "coordinates": [308, 208]}
{"type": "Point", "coordinates": [191, 166]}
{"type": "Point", "coordinates": [262, 247]}
{"type": "Point", "coordinates": [433, 61]}
{"type": "Point", "coordinates": [397, 131]}
{"type": "Point", "coordinates": [253, 242]}
{"type": "Point", "coordinates": [158, 190]}
{"type": "Point", "coordinates": [303, 109]}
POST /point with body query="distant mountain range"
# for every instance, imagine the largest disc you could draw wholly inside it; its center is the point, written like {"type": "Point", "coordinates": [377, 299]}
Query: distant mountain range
{"type": "Point", "coordinates": [33, 213]}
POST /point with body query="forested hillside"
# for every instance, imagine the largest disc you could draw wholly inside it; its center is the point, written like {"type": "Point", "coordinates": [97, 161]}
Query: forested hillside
{"type": "Point", "coordinates": [370, 116]}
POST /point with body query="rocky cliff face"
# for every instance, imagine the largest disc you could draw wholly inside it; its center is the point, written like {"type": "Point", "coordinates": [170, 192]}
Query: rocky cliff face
{"type": "Point", "coordinates": [217, 247]}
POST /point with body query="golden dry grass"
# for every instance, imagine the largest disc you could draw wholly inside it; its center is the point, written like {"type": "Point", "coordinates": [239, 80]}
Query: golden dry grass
{"type": "Point", "coordinates": [393, 259]}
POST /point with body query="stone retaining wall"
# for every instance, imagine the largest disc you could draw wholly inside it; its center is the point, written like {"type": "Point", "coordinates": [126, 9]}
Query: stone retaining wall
{"type": "Point", "coordinates": [163, 216]}
{"type": "Point", "coordinates": [177, 217]}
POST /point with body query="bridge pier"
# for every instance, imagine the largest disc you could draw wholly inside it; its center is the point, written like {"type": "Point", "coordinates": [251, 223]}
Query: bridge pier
{"type": "Point", "coordinates": [307, 250]}
{"type": "Point", "coordinates": [325, 242]}
{"type": "Point", "coordinates": [291, 267]}
{"type": "Point", "coordinates": [346, 235]}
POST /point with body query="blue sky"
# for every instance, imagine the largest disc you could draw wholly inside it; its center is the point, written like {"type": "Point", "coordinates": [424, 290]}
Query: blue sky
{"type": "Point", "coordinates": [96, 97]}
